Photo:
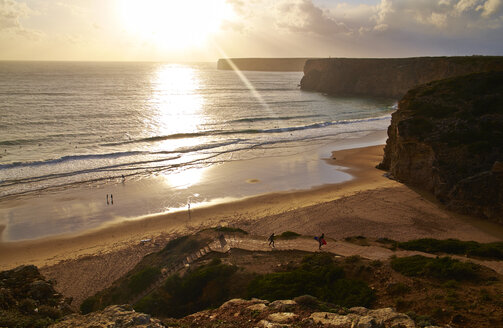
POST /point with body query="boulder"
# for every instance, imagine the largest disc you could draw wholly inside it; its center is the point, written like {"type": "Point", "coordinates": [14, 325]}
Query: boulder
{"type": "Point", "coordinates": [283, 305]}
{"type": "Point", "coordinates": [336, 320]}
{"type": "Point", "coordinates": [282, 317]}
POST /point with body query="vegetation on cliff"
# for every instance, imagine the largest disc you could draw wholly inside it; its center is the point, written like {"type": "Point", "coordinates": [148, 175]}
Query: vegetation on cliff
{"type": "Point", "coordinates": [319, 276]}
{"type": "Point", "coordinates": [28, 300]}
{"type": "Point", "coordinates": [447, 137]}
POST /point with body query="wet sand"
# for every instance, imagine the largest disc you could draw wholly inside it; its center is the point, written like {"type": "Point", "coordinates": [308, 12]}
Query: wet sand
{"type": "Point", "coordinates": [370, 205]}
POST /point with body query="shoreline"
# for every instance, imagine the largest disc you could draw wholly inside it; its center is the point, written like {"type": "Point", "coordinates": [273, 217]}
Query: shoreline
{"type": "Point", "coordinates": [260, 214]}
{"type": "Point", "coordinates": [85, 207]}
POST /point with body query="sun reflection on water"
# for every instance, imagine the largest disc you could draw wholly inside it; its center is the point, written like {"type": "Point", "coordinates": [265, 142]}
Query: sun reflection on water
{"type": "Point", "coordinates": [176, 105]}
{"type": "Point", "coordinates": [183, 179]}
{"type": "Point", "coordinates": [177, 112]}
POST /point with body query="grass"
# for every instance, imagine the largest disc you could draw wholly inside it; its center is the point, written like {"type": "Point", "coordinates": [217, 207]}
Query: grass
{"type": "Point", "coordinates": [318, 276]}
{"type": "Point", "coordinates": [454, 246]}
{"type": "Point", "coordinates": [289, 235]}
{"type": "Point", "coordinates": [444, 268]}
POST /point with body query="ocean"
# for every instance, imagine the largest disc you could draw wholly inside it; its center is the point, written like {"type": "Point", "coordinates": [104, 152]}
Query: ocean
{"type": "Point", "coordinates": [68, 126]}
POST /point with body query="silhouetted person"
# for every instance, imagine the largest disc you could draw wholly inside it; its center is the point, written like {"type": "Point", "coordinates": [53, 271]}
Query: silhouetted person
{"type": "Point", "coordinates": [112, 199]}
{"type": "Point", "coordinates": [321, 241]}
{"type": "Point", "coordinates": [271, 240]}
{"type": "Point", "coordinates": [107, 199]}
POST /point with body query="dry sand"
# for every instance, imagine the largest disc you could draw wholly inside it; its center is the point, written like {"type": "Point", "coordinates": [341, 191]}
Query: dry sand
{"type": "Point", "coordinates": [370, 205]}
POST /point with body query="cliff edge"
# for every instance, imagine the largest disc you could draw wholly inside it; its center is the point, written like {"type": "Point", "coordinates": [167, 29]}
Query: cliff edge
{"type": "Point", "coordinates": [447, 137]}
{"type": "Point", "coordinates": [388, 77]}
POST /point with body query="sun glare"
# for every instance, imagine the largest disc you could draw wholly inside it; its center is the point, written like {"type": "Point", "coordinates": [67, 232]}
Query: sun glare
{"type": "Point", "coordinates": [173, 24]}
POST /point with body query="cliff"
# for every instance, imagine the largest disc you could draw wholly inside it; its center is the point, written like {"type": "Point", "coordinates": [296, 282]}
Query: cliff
{"type": "Point", "coordinates": [263, 64]}
{"type": "Point", "coordinates": [447, 137]}
{"type": "Point", "coordinates": [388, 77]}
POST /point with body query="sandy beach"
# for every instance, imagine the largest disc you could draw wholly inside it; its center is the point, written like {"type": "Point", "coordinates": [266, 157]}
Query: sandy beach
{"type": "Point", "coordinates": [369, 205]}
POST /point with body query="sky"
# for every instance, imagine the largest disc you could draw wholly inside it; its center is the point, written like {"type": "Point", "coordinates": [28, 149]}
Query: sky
{"type": "Point", "coordinates": [205, 30]}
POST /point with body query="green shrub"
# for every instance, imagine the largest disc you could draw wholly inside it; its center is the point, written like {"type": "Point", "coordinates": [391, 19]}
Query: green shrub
{"type": "Point", "coordinates": [353, 259]}
{"type": "Point", "coordinates": [206, 286]}
{"type": "Point", "coordinates": [397, 289]}
{"type": "Point", "coordinates": [317, 276]}
{"type": "Point", "coordinates": [289, 235]}
{"type": "Point", "coordinates": [89, 305]}
{"type": "Point", "coordinates": [143, 279]}
{"type": "Point", "coordinates": [444, 268]}
{"type": "Point", "coordinates": [49, 312]}
{"type": "Point", "coordinates": [27, 306]}
{"type": "Point", "coordinates": [230, 230]}
{"type": "Point", "coordinates": [454, 246]}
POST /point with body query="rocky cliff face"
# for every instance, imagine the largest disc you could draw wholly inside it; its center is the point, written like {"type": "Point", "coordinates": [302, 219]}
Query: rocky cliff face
{"type": "Point", "coordinates": [388, 77]}
{"type": "Point", "coordinates": [447, 137]}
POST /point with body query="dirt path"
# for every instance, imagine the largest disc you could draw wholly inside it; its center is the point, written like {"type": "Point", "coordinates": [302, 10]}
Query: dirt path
{"type": "Point", "coordinates": [339, 247]}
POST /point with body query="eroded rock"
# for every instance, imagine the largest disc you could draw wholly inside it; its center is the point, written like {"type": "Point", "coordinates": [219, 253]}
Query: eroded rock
{"type": "Point", "coordinates": [117, 316]}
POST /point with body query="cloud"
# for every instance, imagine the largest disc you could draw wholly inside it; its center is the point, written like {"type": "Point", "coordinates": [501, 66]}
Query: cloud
{"type": "Point", "coordinates": [10, 14]}
{"type": "Point", "coordinates": [74, 9]}
{"type": "Point", "coordinates": [304, 17]}
{"type": "Point", "coordinates": [451, 17]}
{"type": "Point", "coordinates": [490, 7]}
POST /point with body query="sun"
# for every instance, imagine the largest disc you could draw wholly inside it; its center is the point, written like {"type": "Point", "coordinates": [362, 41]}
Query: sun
{"type": "Point", "coordinates": [173, 24]}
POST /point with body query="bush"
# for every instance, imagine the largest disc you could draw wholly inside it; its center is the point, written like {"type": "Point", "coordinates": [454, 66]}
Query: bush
{"type": "Point", "coordinates": [206, 286]}
{"type": "Point", "coordinates": [317, 276]}
{"type": "Point", "coordinates": [229, 229]}
{"type": "Point", "coordinates": [27, 306]}
{"type": "Point", "coordinates": [454, 246]}
{"type": "Point", "coordinates": [397, 289]}
{"type": "Point", "coordinates": [289, 235]}
{"type": "Point", "coordinates": [143, 279]}
{"type": "Point", "coordinates": [444, 268]}
{"type": "Point", "coordinates": [89, 305]}
{"type": "Point", "coordinates": [49, 312]}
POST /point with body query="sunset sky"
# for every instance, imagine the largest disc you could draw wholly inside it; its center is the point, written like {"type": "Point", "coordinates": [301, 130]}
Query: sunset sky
{"type": "Point", "coordinates": [204, 30]}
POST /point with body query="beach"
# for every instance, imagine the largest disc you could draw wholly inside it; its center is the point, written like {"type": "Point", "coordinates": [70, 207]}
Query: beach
{"type": "Point", "coordinates": [369, 205]}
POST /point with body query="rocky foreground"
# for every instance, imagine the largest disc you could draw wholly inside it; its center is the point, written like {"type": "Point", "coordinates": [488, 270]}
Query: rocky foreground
{"type": "Point", "coordinates": [248, 313]}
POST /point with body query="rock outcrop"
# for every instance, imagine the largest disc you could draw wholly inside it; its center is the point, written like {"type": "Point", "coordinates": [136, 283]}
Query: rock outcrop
{"type": "Point", "coordinates": [388, 77]}
{"type": "Point", "coordinates": [117, 316]}
{"type": "Point", "coordinates": [261, 313]}
{"type": "Point", "coordinates": [447, 137]}
{"type": "Point", "coordinates": [28, 300]}
{"type": "Point", "coordinates": [263, 64]}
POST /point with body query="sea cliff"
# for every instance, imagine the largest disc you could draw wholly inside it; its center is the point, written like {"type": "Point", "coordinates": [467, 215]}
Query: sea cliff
{"type": "Point", "coordinates": [388, 77]}
{"type": "Point", "coordinates": [263, 64]}
{"type": "Point", "coordinates": [447, 137]}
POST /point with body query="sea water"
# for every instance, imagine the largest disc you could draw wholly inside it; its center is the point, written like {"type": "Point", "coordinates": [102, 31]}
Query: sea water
{"type": "Point", "coordinates": [73, 125]}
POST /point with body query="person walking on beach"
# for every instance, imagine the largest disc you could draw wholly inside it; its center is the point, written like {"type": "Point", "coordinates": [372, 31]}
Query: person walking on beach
{"type": "Point", "coordinates": [107, 199]}
{"type": "Point", "coordinates": [112, 199]}
{"type": "Point", "coordinates": [271, 240]}
{"type": "Point", "coordinates": [321, 241]}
